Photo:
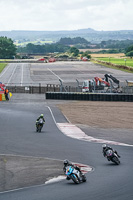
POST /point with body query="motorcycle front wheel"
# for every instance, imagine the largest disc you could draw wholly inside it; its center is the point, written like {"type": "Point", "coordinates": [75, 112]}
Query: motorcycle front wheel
{"type": "Point", "coordinates": [116, 160]}
{"type": "Point", "coordinates": [75, 179]}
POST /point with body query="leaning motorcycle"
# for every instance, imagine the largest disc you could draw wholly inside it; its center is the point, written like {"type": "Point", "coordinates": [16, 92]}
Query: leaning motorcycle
{"type": "Point", "coordinates": [39, 125]}
{"type": "Point", "coordinates": [113, 157]}
{"type": "Point", "coordinates": [75, 175]}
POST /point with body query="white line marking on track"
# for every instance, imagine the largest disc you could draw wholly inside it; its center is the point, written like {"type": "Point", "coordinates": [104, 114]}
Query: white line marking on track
{"type": "Point", "coordinates": [55, 74]}
{"type": "Point", "coordinates": [12, 75]}
{"type": "Point", "coordinates": [22, 73]}
{"type": "Point", "coordinates": [52, 115]}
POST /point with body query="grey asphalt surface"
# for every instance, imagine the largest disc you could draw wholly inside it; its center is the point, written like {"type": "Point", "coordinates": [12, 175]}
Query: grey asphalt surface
{"type": "Point", "coordinates": [18, 137]}
{"type": "Point", "coordinates": [16, 74]}
{"type": "Point", "coordinates": [115, 134]}
{"type": "Point", "coordinates": [21, 171]}
{"type": "Point", "coordinates": [50, 73]}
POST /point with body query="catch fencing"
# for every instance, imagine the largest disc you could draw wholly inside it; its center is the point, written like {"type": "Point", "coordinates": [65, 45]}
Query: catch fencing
{"type": "Point", "coordinates": [40, 89]}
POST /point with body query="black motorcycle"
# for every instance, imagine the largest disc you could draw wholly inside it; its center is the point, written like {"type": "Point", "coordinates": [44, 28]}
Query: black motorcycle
{"type": "Point", "coordinates": [112, 156]}
{"type": "Point", "coordinates": [39, 125]}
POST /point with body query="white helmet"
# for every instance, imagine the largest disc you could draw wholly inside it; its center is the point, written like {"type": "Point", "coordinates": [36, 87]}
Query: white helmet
{"type": "Point", "coordinates": [104, 146]}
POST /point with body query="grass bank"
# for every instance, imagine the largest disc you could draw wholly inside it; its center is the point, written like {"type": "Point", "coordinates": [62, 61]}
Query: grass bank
{"type": "Point", "coordinates": [107, 55]}
{"type": "Point", "coordinates": [118, 61]}
{"type": "Point", "coordinates": [115, 64]}
{"type": "Point", "coordinates": [2, 66]}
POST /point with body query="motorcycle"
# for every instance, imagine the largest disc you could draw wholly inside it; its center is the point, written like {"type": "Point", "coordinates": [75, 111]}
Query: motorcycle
{"type": "Point", "coordinates": [113, 157]}
{"type": "Point", "coordinates": [39, 125]}
{"type": "Point", "coordinates": [75, 175]}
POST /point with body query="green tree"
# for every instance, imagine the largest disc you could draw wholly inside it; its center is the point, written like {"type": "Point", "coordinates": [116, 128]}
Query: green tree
{"type": "Point", "coordinates": [74, 50]}
{"type": "Point", "coordinates": [47, 48]}
{"type": "Point", "coordinates": [73, 41]}
{"type": "Point", "coordinates": [85, 54]}
{"type": "Point", "coordinates": [130, 48]}
{"type": "Point", "coordinates": [130, 54]}
{"type": "Point", "coordinates": [7, 48]}
{"type": "Point", "coordinates": [103, 44]}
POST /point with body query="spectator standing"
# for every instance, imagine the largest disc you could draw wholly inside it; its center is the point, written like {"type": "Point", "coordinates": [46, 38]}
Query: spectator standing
{"type": "Point", "coordinates": [6, 94]}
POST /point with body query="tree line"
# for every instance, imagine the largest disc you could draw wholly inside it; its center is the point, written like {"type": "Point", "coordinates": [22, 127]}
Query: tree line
{"type": "Point", "coordinates": [42, 49]}
{"type": "Point", "coordinates": [9, 50]}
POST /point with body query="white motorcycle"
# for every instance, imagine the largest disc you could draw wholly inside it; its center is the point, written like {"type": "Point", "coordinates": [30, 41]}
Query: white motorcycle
{"type": "Point", "coordinates": [113, 157]}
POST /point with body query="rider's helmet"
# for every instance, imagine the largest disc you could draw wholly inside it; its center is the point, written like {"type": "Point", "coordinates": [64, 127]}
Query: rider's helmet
{"type": "Point", "coordinates": [104, 146]}
{"type": "Point", "coordinates": [66, 162]}
{"type": "Point", "coordinates": [41, 115]}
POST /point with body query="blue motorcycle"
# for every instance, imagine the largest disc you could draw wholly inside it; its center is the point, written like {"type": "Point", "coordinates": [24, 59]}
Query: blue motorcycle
{"type": "Point", "coordinates": [75, 175]}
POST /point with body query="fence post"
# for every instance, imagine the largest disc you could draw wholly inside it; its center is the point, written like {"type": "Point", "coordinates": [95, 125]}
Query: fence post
{"type": "Point", "coordinates": [47, 88]}
{"type": "Point", "coordinates": [15, 88]}
{"type": "Point", "coordinates": [30, 90]}
{"type": "Point", "coordinates": [61, 85]}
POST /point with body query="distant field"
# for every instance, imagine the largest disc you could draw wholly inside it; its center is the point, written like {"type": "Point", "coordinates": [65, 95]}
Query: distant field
{"type": "Point", "coordinates": [92, 50]}
{"type": "Point", "coordinates": [2, 66]}
{"type": "Point", "coordinates": [33, 42]}
{"type": "Point", "coordinates": [117, 55]}
{"type": "Point", "coordinates": [118, 61]}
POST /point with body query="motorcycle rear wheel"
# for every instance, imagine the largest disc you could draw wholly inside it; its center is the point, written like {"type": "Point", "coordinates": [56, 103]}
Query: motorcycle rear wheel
{"type": "Point", "coordinates": [83, 178]}
{"type": "Point", "coordinates": [39, 130]}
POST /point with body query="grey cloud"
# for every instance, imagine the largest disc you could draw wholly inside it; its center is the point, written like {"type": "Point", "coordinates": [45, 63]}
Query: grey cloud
{"type": "Point", "coordinates": [70, 14]}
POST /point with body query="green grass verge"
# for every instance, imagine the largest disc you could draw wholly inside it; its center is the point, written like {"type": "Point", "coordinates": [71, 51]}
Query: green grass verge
{"type": "Point", "coordinates": [2, 66]}
{"type": "Point", "coordinates": [109, 66]}
{"type": "Point", "coordinates": [118, 61]}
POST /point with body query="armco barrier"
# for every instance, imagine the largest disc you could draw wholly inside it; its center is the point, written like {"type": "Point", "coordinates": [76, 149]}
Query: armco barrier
{"type": "Point", "coordinates": [89, 96]}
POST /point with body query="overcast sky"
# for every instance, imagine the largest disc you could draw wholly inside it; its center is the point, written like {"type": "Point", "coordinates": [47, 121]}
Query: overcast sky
{"type": "Point", "coordinates": [55, 15]}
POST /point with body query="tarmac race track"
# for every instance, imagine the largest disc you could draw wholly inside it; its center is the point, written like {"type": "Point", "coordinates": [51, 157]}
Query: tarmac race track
{"type": "Point", "coordinates": [23, 74]}
{"type": "Point", "coordinates": [17, 136]}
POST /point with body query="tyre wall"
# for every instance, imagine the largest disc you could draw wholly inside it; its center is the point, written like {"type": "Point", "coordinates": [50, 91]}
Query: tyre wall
{"type": "Point", "coordinates": [89, 96]}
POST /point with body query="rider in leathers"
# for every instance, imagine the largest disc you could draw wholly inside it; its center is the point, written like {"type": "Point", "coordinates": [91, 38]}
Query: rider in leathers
{"type": "Point", "coordinates": [68, 163]}
{"type": "Point", "coordinates": [40, 117]}
{"type": "Point", "coordinates": [106, 148]}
